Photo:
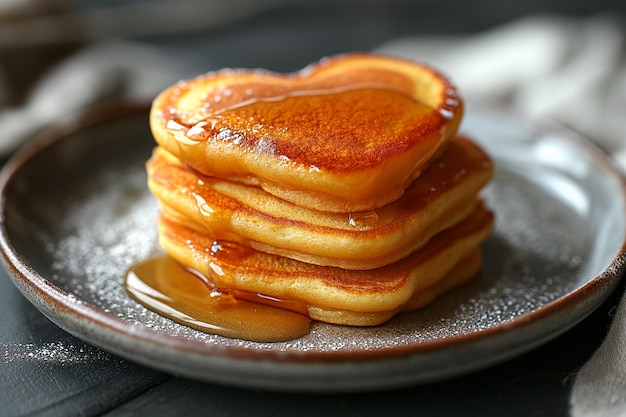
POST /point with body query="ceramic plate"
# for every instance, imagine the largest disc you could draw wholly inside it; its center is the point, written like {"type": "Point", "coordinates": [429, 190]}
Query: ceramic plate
{"type": "Point", "coordinates": [75, 214]}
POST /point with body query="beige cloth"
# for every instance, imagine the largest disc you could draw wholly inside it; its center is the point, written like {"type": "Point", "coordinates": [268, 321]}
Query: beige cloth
{"type": "Point", "coordinates": [94, 74]}
{"type": "Point", "coordinates": [573, 71]}
{"type": "Point", "coordinates": [600, 387]}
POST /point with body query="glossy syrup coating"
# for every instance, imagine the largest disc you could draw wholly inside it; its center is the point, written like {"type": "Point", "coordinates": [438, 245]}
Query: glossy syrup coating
{"type": "Point", "coordinates": [346, 134]}
{"type": "Point", "coordinates": [165, 286]}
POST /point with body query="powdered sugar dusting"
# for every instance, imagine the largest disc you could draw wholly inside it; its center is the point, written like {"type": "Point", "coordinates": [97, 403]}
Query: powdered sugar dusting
{"type": "Point", "coordinates": [54, 353]}
{"type": "Point", "coordinates": [110, 224]}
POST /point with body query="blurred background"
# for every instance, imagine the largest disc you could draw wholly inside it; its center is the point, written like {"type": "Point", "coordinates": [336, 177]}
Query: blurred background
{"type": "Point", "coordinates": [557, 58]}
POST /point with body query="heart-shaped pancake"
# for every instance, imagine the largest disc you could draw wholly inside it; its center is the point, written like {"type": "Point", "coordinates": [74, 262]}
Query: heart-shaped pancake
{"type": "Point", "coordinates": [347, 134]}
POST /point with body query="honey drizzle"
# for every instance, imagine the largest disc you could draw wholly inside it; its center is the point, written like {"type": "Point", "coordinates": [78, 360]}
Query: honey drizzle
{"type": "Point", "coordinates": [187, 297]}
{"type": "Point", "coordinates": [303, 93]}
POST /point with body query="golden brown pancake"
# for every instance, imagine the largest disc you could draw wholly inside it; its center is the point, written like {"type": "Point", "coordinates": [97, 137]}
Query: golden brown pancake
{"type": "Point", "coordinates": [343, 187]}
{"type": "Point", "coordinates": [442, 196]}
{"type": "Point", "coordinates": [347, 134]}
{"type": "Point", "coordinates": [337, 295]}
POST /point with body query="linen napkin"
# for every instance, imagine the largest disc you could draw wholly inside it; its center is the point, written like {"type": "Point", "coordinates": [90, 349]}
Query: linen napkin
{"type": "Point", "coordinates": [573, 71]}
{"type": "Point", "coordinates": [94, 74]}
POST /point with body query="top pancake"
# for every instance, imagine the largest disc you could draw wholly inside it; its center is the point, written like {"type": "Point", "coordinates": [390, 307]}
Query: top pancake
{"type": "Point", "coordinates": [349, 133]}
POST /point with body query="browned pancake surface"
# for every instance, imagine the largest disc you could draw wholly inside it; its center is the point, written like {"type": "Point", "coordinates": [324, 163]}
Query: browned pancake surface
{"type": "Point", "coordinates": [347, 134]}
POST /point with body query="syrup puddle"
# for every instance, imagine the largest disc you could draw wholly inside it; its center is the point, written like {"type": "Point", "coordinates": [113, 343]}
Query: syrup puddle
{"type": "Point", "coordinates": [165, 287]}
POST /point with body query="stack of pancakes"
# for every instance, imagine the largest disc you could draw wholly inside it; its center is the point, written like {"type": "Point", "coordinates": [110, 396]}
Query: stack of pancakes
{"type": "Point", "coordinates": [344, 186]}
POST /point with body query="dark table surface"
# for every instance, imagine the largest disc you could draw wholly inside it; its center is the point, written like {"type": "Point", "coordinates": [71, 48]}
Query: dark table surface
{"type": "Point", "coordinates": [46, 371]}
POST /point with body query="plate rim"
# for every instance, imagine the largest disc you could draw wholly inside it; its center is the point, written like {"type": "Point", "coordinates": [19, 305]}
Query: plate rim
{"type": "Point", "coordinates": [61, 307]}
